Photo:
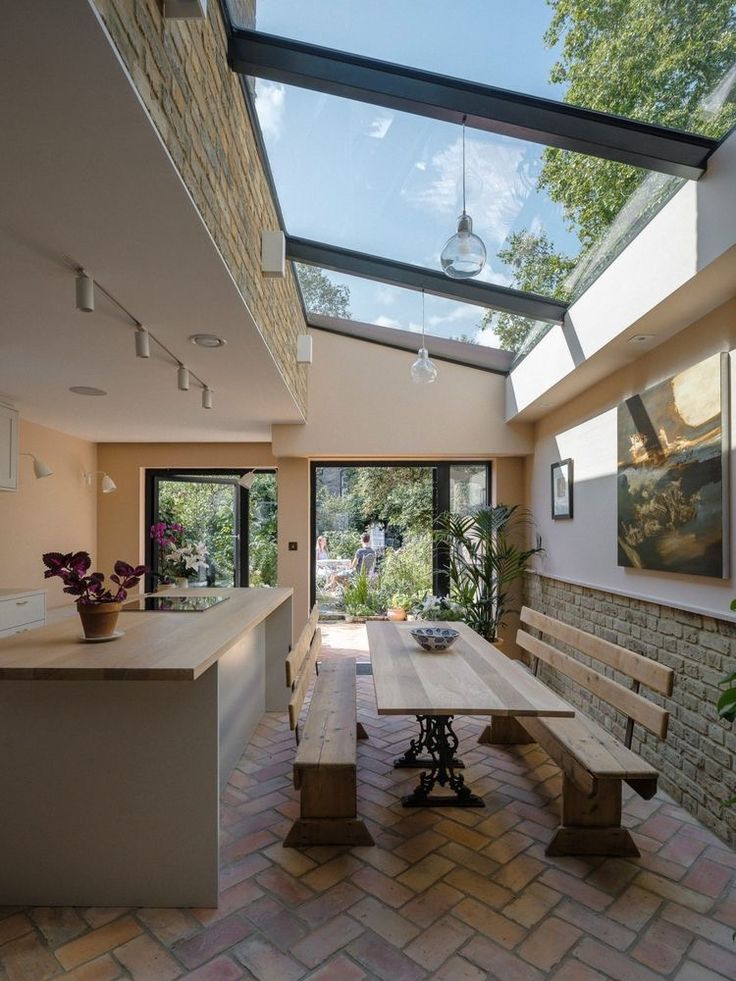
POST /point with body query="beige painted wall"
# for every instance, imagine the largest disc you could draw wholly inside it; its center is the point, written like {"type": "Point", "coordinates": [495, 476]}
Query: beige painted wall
{"type": "Point", "coordinates": [584, 550]}
{"type": "Point", "coordinates": [122, 515]}
{"type": "Point", "coordinates": [362, 404]}
{"type": "Point", "coordinates": [57, 513]}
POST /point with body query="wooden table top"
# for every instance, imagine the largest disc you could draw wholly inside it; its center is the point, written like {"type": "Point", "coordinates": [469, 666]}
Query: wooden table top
{"type": "Point", "coordinates": [471, 678]}
{"type": "Point", "coordinates": [155, 646]}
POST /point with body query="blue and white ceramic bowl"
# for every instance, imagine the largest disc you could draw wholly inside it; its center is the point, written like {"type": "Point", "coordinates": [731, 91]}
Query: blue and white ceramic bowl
{"type": "Point", "coordinates": [435, 638]}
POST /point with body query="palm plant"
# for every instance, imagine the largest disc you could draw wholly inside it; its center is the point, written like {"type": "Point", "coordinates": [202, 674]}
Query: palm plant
{"type": "Point", "coordinates": [486, 554]}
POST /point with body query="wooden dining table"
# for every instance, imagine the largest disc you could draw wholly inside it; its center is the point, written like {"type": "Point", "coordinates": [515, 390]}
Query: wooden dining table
{"type": "Point", "coordinates": [473, 677]}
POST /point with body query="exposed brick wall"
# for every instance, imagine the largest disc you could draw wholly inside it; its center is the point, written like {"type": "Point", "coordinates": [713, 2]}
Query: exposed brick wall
{"type": "Point", "coordinates": [180, 70]}
{"type": "Point", "coordinates": [696, 761]}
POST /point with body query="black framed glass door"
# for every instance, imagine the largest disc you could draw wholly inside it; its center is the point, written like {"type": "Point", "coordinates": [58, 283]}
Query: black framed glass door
{"type": "Point", "coordinates": [228, 526]}
{"type": "Point", "coordinates": [396, 505]}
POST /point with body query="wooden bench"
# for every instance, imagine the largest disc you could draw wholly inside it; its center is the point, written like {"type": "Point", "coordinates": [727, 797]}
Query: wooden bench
{"type": "Point", "coordinates": [325, 769]}
{"type": "Point", "coordinates": [594, 762]}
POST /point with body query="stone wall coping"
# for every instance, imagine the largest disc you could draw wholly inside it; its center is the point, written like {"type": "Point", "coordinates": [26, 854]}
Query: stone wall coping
{"type": "Point", "coordinates": [724, 615]}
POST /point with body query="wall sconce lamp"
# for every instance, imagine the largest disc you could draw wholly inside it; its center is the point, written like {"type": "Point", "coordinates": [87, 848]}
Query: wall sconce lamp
{"type": "Point", "coordinates": [108, 484]}
{"type": "Point", "coordinates": [246, 481]}
{"type": "Point", "coordinates": [40, 468]}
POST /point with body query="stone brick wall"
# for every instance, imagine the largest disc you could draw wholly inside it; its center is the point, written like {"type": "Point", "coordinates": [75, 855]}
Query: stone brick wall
{"type": "Point", "coordinates": [180, 70]}
{"type": "Point", "coordinates": [696, 761]}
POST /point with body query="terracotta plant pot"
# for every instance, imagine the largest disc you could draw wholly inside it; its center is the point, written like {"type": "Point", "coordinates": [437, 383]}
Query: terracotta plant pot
{"type": "Point", "coordinates": [99, 619]}
{"type": "Point", "coordinates": [396, 613]}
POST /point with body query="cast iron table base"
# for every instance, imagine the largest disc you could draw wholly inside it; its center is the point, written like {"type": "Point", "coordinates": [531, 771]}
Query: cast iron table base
{"type": "Point", "coordinates": [441, 741]}
{"type": "Point", "coordinates": [411, 759]}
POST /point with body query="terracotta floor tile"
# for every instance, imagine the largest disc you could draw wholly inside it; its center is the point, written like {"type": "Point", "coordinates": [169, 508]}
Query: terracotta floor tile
{"type": "Point", "coordinates": [147, 960]}
{"type": "Point", "coordinates": [386, 922]}
{"type": "Point", "coordinates": [98, 942]}
{"type": "Point", "coordinates": [388, 890]}
{"type": "Point", "coordinates": [548, 943]}
{"type": "Point", "coordinates": [534, 903]}
{"type": "Point", "coordinates": [338, 968]}
{"type": "Point", "coordinates": [662, 947]}
{"type": "Point", "coordinates": [220, 969]}
{"type": "Point", "coordinates": [634, 907]}
{"type": "Point", "coordinates": [14, 926]}
{"type": "Point", "coordinates": [101, 969]}
{"type": "Point", "coordinates": [325, 940]}
{"type": "Point", "coordinates": [490, 924]}
{"type": "Point", "coordinates": [432, 904]}
{"type": "Point", "coordinates": [432, 947]}
{"type": "Point", "coordinates": [266, 962]}
{"type": "Point", "coordinates": [597, 925]}
{"type": "Point", "coordinates": [458, 969]}
{"type": "Point", "coordinates": [383, 961]}
{"type": "Point", "coordinates": [499, 962]}
{"type": "Point", "coordinates": [27, 958]}
{"type": "Point", "coordinates": [212, 941]}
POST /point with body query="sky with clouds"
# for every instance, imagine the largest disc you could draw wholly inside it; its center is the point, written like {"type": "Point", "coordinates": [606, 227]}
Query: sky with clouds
{"type": "Point", "coordinates": [390, 183]}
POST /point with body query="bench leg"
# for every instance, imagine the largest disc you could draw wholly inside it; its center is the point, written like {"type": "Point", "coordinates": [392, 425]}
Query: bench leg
{"type": "Point", "coordinates": [504, 730]}
{"type": "Point", "coordinates": [328, 810]}
{"type": "Point", "coordinates": [592, 825]}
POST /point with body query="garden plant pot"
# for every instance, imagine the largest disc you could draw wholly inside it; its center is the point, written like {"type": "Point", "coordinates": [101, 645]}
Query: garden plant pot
{"type": "Point", "coordinates": [396, 613]}
{"type": "Point", "coordinates": [99, 619]}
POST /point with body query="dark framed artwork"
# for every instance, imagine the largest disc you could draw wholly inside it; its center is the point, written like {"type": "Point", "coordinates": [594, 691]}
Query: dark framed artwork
{"type": "Point", "coordinates": [673, 446]}
{"type": "Point", "coordinates": [562, 489]}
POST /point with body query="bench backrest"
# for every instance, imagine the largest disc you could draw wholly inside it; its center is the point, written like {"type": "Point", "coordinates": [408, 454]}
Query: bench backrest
{"type": "Point", "coordinates": [638, 668]}
{"type": "Point", "coordinates": [301, 683]}
{"type": "Point", "coordinates": [295, 657]}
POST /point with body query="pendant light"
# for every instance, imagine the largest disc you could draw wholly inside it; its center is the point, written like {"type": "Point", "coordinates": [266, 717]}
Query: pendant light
{"type": "Point", "coordinates": [464, 255]}
{"type": "Point", "coordinates": [424, 370]}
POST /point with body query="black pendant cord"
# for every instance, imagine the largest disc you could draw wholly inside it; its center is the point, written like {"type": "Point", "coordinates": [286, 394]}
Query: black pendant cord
{"type": "Point", "coordinates": [464, 119]}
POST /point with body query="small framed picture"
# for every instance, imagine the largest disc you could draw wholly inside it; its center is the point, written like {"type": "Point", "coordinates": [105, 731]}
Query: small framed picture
{"type": "Point", "coordinates": [562, 489]}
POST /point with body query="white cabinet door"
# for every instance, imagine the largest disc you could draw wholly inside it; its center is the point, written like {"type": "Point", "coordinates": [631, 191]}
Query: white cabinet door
{"type": "Point", "coordinates": [8, 448]}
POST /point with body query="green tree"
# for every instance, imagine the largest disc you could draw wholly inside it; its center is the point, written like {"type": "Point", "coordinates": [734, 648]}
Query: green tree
{"type": "Point", "coordinates": [321, 295]}
{"type": "Point", "coordinates": [537, 268]}
{"type": "Point", "coordinates": [654, 60]}
{"type": "Point", "coordinates": [398, 496]}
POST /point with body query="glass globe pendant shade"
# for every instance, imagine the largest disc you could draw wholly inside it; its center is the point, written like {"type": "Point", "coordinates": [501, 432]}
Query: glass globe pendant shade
{"type": "Point", "coordinates": [464, 255]}
{"type": "Point", "coordinates": [424, 370]}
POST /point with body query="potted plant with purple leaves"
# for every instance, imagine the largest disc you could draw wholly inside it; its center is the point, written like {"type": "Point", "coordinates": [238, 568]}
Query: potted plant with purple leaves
{"type": "Point", "coordinates": [98, 605]}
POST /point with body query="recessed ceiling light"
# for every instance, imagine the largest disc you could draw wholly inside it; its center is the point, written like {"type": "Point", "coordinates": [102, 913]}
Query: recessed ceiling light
{"type": "Point", "coordinates": [207, 340]}
{"type": "Point", "coordinates": [641, 338]}
{"type": "Point", "coordinates": [86, 390]}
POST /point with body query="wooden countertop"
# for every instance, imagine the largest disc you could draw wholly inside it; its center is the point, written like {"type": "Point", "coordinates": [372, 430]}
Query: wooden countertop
{"type": "Point", "coordinates": [156, 646]}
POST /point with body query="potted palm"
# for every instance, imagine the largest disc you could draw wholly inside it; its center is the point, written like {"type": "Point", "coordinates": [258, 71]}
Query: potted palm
{"type": "Point", "coordinates": [98, 606]}
{"type": "Point", "coordinates": [487, 555]}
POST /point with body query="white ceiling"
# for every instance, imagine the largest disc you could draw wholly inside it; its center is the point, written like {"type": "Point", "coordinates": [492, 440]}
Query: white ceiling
{"type": "Point", "coordinates": [84, 178]}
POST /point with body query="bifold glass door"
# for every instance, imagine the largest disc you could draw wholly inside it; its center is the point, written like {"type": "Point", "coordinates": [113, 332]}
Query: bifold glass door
{"type": "Point", "coordinates": [395, 505]}
{"type": "Point", "coordinates": [216, 528]}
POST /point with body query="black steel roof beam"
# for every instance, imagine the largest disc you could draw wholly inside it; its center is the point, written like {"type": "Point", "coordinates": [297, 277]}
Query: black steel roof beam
{"type": "Point", "coordinates": [494, 110]}
{"type": "Point", "coordinates": [432, 281]}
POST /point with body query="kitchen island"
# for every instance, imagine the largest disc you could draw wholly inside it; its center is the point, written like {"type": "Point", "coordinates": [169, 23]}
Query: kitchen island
{"type": "Point", "coordinates": [113, 755]}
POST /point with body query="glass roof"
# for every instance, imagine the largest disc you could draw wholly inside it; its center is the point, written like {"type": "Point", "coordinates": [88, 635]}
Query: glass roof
{"type": "Point", "coordinates": [534, 47]}
{"type": "Point", "coordinates": [388, 183]}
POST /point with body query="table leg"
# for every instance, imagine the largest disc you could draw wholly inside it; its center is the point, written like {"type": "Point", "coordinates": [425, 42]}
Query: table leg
{"type": "Point", "coordinates": [412, 758]}
{"type": "Point", "coordinates": [441, 741]}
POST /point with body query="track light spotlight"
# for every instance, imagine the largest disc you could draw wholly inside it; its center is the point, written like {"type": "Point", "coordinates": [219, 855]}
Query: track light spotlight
{"type": "Point", "coordinates": [206, 398]}
{"type": "Point", "coordinates": [85, 292]}
{"type": "Point", "coordinates": [142, 343]}
{"type": "Point", "coordinates": [182, 377]}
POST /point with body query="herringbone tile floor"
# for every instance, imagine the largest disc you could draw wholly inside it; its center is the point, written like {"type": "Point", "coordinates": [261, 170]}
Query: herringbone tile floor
{"type": "Point", "coordinates": [450, 894]}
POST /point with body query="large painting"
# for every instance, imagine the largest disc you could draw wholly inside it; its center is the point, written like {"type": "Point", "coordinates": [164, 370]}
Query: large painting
{"type": "Point", "coordinates": [673, 473]}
